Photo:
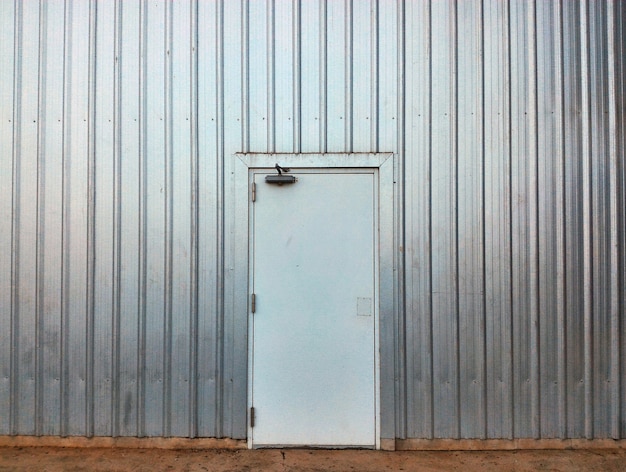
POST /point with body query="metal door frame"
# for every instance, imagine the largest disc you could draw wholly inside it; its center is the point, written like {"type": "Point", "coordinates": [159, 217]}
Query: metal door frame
{"type": "Point", "coordinates": [240, 267]}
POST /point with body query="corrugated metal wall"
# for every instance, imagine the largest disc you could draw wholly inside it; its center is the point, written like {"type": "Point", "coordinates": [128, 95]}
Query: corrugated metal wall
{"type": "Point", "coordinates": [118, 123]}
{"type": "Point", "coordinates": [514, 219]}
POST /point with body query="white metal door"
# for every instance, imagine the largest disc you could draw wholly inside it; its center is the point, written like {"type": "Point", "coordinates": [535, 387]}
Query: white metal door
{"type": "Point", "coordinates": [314, 362]}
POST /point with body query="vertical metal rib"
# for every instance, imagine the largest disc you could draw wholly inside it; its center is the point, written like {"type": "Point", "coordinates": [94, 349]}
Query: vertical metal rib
{"type": "Point", "coordinates": [220, 230]}
{"type": "Point", "coordinates": [402, 411]}
{"type": "Point", "coordinates": [65, 246]}
{"type": "Point", "coordinates": [559, 180]}
{"type": "Point", "coordinates": [142, 222]}
{"type": "Point", "coordinates": [483, 230]}
{"type": "Point", "coordinates": [429, 229]}
{"type": "Point", "coordinates": [40, 196]}
{"type": "Point", "coordinates": [454, 199]}
{"type": "Point", "coordinates": [195, 225]}
{"type": "Point", "coordinates": [91, 222]}
{"type": "Point", "coordinates": [117, 222]}
{"type": "Point", "coordinates": [168, 230]}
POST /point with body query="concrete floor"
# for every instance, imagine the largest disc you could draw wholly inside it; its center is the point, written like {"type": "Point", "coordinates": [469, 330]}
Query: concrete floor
{"type": "Point", "coordinates": [279, 460]}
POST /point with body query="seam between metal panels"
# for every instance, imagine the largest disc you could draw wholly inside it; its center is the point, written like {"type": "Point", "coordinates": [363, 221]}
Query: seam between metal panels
{"type": "Point", "coordinates": [430, 218]}
{"type": "Point", "coordinates": [402, 408]}
{"type": "Point", "coordinates": [169, 221]}
{"type": "Point", "coordinates": [91, 225]}
{"type": "Point", "coordinates": [219, 263]}
{"type": "Point", "coordinates": [455, 198]}
{"type": "Point", "coordinates": [483, 226]}
{"type": "Point", "coordinates": [533, 187]}
{"type": "Point", "coordinates": [195, 225]}
{"type": "Point", "coordinates": [562, 237]}
{"type": "Point", "coordinates": [509, 126]}
{"type": "Point", "coordinates": [117, 221]}
{"type": "Point", "coordinates": [65, 332]}
{"type": "Point", "coordinates": [40, 196]}
{"type": "Point", "coordinates": [142, 225]}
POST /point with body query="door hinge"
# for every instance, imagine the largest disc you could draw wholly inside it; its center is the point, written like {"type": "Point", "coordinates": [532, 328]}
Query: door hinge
{"type": "Point", "coordinates": [253, 303]}
{"type": "Point", "coordinates": [252, 417]}
{"type": "Point", "coordinates": [253, 192]}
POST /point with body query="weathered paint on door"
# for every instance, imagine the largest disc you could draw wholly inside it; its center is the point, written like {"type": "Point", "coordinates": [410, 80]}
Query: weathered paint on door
{"type": "Point", "coordinates": [313, 268]}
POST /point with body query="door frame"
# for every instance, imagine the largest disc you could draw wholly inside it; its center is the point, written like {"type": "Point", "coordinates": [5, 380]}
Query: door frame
{"type": "Point", "coordinates": [240, 267]}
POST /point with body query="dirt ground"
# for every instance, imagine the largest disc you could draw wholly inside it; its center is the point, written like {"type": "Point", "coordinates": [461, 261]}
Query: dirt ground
{"type": "Point", "coordinates": [277, 460]}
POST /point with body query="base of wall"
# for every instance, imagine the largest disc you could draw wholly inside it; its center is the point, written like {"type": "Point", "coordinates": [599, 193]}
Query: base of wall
{"type": "Point", "coordinates": [385, 444]}
{"type": "Point", "coordinates": [505, 444]}
{"type": "Point", "coordinates": [122, 442]}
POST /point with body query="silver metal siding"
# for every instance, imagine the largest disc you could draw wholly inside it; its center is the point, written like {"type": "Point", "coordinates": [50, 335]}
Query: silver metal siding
{"type": "Point", "coordinates": [538, 352]}
{"type": "Point", "coordinates": [118, 123]}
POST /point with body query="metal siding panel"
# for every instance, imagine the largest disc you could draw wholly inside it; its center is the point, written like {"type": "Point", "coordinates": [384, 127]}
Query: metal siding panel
{"type": "Point", "coordinates": [443, 198]}
{"type": "Point", "coordinates": [194, 236]}
{"type": "Point", "coordinates": [497, 222]}
{"type": "Point", "coordinates": [310, 76]}
{"type": "Point", "coordinates": [129, 246]}
{"type": "Point", "coordinates": [210, 101]}
{"type": "Point", "coordinates": [524, 238]}
{"type": "Point", "coordinates": [284, 76]}
{"type": "Point", "coordinates": [91, 225]}
{"type": "Point", "coordinates": [386, 56]}
{"type": "Point", "coordinates": [154, 122]}
{"type": "Point", "coordinates": [470, 222]}
{"type": "Point", "coordinates": [361, 84]}
{"type": "Point", "coordinates": [105, 128]}
{"type": "Point", "coordinates": [550, 153]}
{"type": "Point", "coordinates": [601, 224]}
{"type": "Point", "coordinates": [336, 73]}
{"type": "Point", "coordinates": [259, 75]}
{"type": "Point", "coordinates": [181, 219]}
{"type": "Point", "coordinates": [587, 228]}
{"type": "Point", "coordinates": [417, 150]}
{"type": "Point", "coordinates": [141, 224]}
{"type": "Point", "coordinates": [51, 220]}
{"type": "Point", "coordinates": [233, 332]}
{"type": "Point", "coordinates": [8, 16]}
{"type": "Point", "coordinates": [574, 257]}
{"type": "Point", "coordinates": [25, 220]}
{"type": "Point", "coordinates": [75, 206]}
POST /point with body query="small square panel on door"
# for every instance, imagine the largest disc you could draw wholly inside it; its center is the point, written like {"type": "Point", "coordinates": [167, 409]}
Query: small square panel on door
{"type": "Point", "coordinates": [313, 272]}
